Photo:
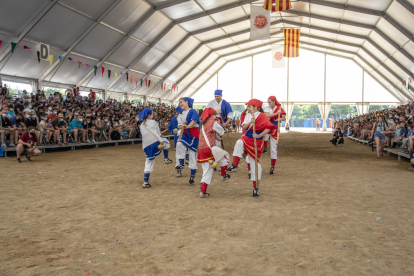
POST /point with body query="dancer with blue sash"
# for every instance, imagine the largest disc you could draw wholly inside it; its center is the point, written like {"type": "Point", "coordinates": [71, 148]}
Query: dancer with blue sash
{"type": "Point", "coordinates": [152, 143]}
{"type": "Point", "coordinates": [188, 123]}
{"type": "Point", "coordinates": [223, 111]}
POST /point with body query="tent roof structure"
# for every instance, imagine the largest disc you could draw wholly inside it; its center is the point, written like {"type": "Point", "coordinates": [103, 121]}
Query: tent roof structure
{"type": "Point", "coordinates": [184, 42]}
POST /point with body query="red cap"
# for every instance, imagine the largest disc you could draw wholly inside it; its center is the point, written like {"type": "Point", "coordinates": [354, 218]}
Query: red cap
{"type": "Point", "coordinates": [255, 102]}
{"type": "Point", "coordinates": [273, 98]}
{"type": "Point", "coordinates": [207, 113]}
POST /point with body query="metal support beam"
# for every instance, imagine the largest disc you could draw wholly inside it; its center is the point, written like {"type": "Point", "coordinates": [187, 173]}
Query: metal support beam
{"type": "Point", "coordinates": [218, 70]}
{"type": "Point", "coordinates": [79, 40]}
{"type": "Point", "coordinates": [119, 44]}
{"type": "Point", "coordinates": [29, 27]}
{"type": "Point", "coordinates": [406, 5]}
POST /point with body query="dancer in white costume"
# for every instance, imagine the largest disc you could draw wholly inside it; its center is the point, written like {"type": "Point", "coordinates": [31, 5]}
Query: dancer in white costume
{"type": "Point", "coordinates": [223, 110]}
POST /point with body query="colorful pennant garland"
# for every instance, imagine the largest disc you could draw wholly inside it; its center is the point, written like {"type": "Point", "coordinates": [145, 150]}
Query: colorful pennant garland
{"type": "Point", "coordinates": [95, 68]}
{"type": "Point", "coordinates": [13, 46]}
{"type": "Point", "coordinates": [51, 59]}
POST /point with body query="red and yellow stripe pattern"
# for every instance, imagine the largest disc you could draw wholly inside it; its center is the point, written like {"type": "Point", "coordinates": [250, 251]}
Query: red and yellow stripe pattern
{"type": "Point", "coordinates": [277, 5]}
{"type": "Point", "coordinates": [292, 37]}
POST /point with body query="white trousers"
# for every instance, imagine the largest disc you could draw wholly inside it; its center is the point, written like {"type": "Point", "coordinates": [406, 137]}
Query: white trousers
{"type": "Point", "coordinates": [208, 171]}
{"type": "Point", "coordinates": [273, 148]}
{"type": "Point", "coordinates": [218, 143]}
{"type": "Point", "coordinates": [180, 154]}
{"type": "Point", "coordinates": [149, 165]}
{"type": "Point", "coordinates": [250, 160]}
{"type": "Point", "coordinates": [238, 149]}
{"type": "Point", "coordinates": [266, 138]}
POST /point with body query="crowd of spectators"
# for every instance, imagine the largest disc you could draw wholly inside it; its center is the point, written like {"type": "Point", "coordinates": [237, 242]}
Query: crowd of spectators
{"type": "Point", "coordinates": [392, 127]}
{"type": "Point", "coordinates": [72, 118]}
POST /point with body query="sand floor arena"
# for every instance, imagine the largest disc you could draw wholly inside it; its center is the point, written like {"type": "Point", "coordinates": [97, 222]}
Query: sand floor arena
{"type": "Point", "coordinates": [328, 211]}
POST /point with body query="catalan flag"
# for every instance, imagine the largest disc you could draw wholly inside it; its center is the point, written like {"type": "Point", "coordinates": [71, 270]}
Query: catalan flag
{"type": "Point", "coordinates": [277, 5]}
{"type": "Point", "coordinates": [292, 37]}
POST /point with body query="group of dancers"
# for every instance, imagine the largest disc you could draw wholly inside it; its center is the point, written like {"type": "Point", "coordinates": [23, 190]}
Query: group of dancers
{"type": "Point", "coordinates": [199, 141]}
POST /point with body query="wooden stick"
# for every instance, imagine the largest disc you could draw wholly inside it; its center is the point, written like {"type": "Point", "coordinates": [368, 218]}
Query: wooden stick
{"type": "Point", "coordinates": [278, 128]}
{"type": "Point", "coordinates": [255, 152]}
{"type": "Point", "coordinates": [181, 134]}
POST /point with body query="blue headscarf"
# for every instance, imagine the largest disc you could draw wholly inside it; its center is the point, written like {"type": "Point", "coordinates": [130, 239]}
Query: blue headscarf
{"type": "Point", "coordinates": [218, 92]}
{"type": "Point", "coordinates": [144, 113]}
{"type": "Point", "coordinates": [179, 109]}
{"type": "Point", "coordinates": [190, 101]}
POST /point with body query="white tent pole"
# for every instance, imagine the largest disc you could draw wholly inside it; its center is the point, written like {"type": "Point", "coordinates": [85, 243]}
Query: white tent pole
{"type": "Point", "coordinates": [287, 93]}
{"type": "Point", "coordinates": [252, 78]}
{"type": "Point", "coordinates": [324, 96]}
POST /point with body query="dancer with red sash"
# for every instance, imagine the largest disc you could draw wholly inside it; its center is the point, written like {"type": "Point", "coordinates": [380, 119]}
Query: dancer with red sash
{"type": "Point", "coordinates": [275, 113]}
{"type": "Point", "coordinates": [208, 152]}
{"type": "Point", "coordinates": [188, 124]}
{"type": "Point", "coordinates": [246, 143]}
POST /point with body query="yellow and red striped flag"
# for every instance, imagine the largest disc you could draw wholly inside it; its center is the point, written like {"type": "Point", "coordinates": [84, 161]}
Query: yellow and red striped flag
{"type": "Point", "coordinates": [277, 5]}
{"type": "Point", "coordinates": [292, 37]}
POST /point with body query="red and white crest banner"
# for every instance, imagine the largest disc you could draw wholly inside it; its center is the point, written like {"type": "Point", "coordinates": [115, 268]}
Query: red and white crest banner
{"type": "Point", "coordinates": [278, 60]}
{"type": "Point", "coordinates": [259, 23]}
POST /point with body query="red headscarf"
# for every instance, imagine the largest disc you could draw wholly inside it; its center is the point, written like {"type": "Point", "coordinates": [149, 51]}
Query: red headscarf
{"type": "Point", "coordinates": [255, 103]}
{"type": "Point", "coordinates": [273, 98]}
{"type": "Point", "coordinates": [207, 113]}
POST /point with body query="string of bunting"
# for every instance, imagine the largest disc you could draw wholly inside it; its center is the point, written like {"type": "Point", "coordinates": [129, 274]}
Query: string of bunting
{"type": "Point", "coordinates": [44, 55]}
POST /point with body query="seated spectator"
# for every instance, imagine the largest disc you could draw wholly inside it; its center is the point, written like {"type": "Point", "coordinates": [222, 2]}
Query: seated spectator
{"type": "Point", "coordinates": [60, 128]}
{"type": "Point", "coordinates": [89, 127]}
{"type": "Point", "coordinates": [400, 134]}
{"type": "Point", "coordinates": [27, 145]}
{"type": "Point", "coordinates": [338, 137]}
{"type": "Point", "coordinates": [76, 128]}
{"type": "Point", "coordinates": [8, 129]}
{"type": "Point", "coordinates": [16, 127]}
{"type": "Point", "coordinates": [390, 133]}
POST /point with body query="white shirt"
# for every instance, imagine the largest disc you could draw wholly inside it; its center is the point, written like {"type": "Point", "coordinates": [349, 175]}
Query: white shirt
{"type": "Point", "coordinates": [217, 106]}
{"type": "Point", "coordinates": [181, 118]}
{"type": "Point", "coordinates": [270, 110]}
{"type": "Point", "coordinates": [248, 118]}
{"type": "Point", "coordinates": [150, 133]}
{"type": "Point", "coordinates": [218, 128]}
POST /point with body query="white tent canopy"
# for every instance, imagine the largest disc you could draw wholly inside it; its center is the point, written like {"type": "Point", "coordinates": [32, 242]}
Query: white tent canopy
{"type": "Point", "coordinates": [182, 43]}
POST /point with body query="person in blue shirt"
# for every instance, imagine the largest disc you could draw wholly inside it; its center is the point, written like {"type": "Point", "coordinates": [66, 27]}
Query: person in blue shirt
{"type": "Point", "coordinates": [76, 128]}
{"type": "Point", "coordinates": [16, 126]}
{"type": "Point", "coordinates": [174, 125]}
{"type": "Point", "coordinates": [399, 134]}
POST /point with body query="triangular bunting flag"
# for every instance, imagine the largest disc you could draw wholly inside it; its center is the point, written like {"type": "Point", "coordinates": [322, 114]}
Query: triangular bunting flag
{"type": "Point", "coordinates": [162, 86]}
{"type": "Point", "coordinates": [165, 85]}
{"type": "Point", "coordinates": [70, 59]}
{"type": "Point", "coordinates": [146, 82]}
{"type": "Point", "coordinates": [87, 65]}
{"type": "Point", "coordinates": [51, 59]}
{"type": "Point", "coordinates": [1, 41]}
{"type": "Point", "coordinates": [116, 75]}
{"type": "Point", "coordinates": [95, 68]}
{"type": "Point", "coordinates": [103, 70]}
{"type": "Point", "coordinates": [25, 47]}
{"type": "Point", "coordinates": [136, 82]}
{"type": "Point", "coordinates": [13, 46]}
{"type": "Point", "coordinates": [127, 77]}
{"type": "Point", "coordinates": [109, 74]}
{"type": "Point", "coordinates": [132, 77]}
{"type": "Point", "coordinates": [174, 88]}
{"type": "Point", "coordinates": [141, 82]}
{"type": "Point", "coordinates": [149, 83]}
{"type": "Point", "coordinates": [79, 63]}
{"type": "Point", "coordinates": [60, 58]}
{"type": "Point", "coordinates": [38, 56]}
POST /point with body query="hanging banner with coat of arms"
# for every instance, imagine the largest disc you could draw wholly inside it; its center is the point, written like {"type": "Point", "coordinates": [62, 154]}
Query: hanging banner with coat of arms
{"type": "Point", "coordinates": [278, 60]}
{"type": "Point", "coordinates": [259, 23]}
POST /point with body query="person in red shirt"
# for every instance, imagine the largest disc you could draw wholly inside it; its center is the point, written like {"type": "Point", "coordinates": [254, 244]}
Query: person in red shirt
{"type": "Point", "coordinates": [92, 95]}
{"type": "Point", "coordinates": [27, 145]}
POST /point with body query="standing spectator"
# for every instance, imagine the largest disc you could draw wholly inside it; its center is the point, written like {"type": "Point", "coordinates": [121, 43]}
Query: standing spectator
{"type": "Point", "coordinates": [27, 145]}
{"type": "Point", "coordinates": [317, 124]}
{"type": "Point", "coordinates": [238, 124]}
{"type": "Point", "coordinates": [92, 95]}
{"type": "Point", "coordinates": [378, 132]}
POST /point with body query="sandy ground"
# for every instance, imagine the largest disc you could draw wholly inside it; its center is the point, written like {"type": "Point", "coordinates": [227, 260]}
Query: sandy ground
{"type": "Point", "coordinates": [327, 211]}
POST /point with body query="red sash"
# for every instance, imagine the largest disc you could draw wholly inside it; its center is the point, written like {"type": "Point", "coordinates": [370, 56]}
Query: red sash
{"type": "Point", "coordinates": [204, 155]}
{"type": "Point", "coordinates": [249, 146]}
{"type": "Point", "coordinates": [194, 132]}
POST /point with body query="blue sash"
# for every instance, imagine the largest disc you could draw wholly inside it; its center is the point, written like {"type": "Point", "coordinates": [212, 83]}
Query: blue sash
{"type": "Point", "coordinates": [152, 150]}
{"type": "Point", "coordinates": [250, 134]}
{"type": "Point", "coordinates": [189, 141]}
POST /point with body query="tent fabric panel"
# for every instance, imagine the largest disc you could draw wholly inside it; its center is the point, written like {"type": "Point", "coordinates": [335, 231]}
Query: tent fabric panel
{"type": "Point", "coordinates": [210, 34]}
{"type": "Point", "coordinates": [152, 27]}
{"type": "Point", "coordinates": [211, 58]}
{"type": "Point", "coordinates": [394, 34]}
{"type": "Point", "coordinates": [127, 52]}
{"type": "Point", "coordinates": [123, 85]}
{"type": "Point", "coordinates": [228, 15]}
{"type": "Point", "coordinates": [149, 60]}
{"type": "Point", "coordinates": [16, 15]}
{"type": "Point", "coordinates": [99, 42]}
{"type": "Point", "coordinates": [166, 66]}
{"type": "Point", "coordinates": [220, 43]}
{"type": "Point", "coordinates": [24, 63]}
{"type": "Point", "coordinates": [171, 39]}
{"type": "Point", "coordinates": [198, 24]}
{"type": "Point", "coordinates": [244, 25]}
{"type": "Point", "coordinates": [199, 54]}
{"type": "Point", "coordinates": [60, 27]}
{"type": "Point", "coordinates": [402, 16]}
{"type": "Point", "coordinates": [216, 66]}
{"type": "Point", "coordinates": [93, 8]}
{"type": "Point", "coordinates": [208, 4]}
{"type": "Point", "coordinates": [379, 5]}
{"type": "Point", "coordinates": [126, 14]}
{"type": "Point", "coordinates": [182, 10]}
{"type": "Point", "coordinates": [196, 72]}
{"type": "Point", "coordinates": [180, 72]}
{"type": "Point", "coordinates": [185, 49]}
{"type": "Point", "coordinates": [356, 17]}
